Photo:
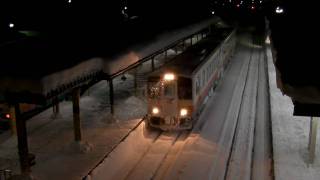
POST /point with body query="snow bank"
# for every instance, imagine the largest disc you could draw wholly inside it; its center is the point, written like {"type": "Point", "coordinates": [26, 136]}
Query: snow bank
{"type": "Point", "coordinates": [290, 136]}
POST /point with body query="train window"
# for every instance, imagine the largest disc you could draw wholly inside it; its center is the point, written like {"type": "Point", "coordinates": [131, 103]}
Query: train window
{"type": "Point", "coordinates": [185, 88]}
{"type": "Point", "coordinates": [197, 85]}
{"type": "Point", "coordinates": [169, 90]}
{"type": "Point", "coordinates": [203, 77]}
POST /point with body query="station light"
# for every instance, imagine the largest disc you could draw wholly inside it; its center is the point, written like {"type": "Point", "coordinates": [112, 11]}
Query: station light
{"type": "Point", "coordinates": [279, 10]}
{"type": "Point", "coordinates": [8, 116]}
{"type": "Point", "coordinates": [69, 1]}
{"type": "Point", "coordinates": [169, 77]}
{"type": "Point", "coordinates": [11, 25]}
{"type": "Point", "coordinates": [155, 110]}
{"type": "Point", "coordinates": [183, 112]}
{"type": "Point", "coordinates": [212, 12]}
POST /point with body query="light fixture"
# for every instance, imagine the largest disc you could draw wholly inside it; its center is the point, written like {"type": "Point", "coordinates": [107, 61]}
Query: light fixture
{"type": "Point", "coordinates": [8, 116]}
{"type": "Point", "coordinates": [123, 77]}
{"type": "Point", "coordinates": [11, 25]}
{"type": "Point", "coordinates": [155, 110]}
{"type": "Point", "coordinates": [279, 10]}
{"type": "Point", "coordinates": [183, 112]}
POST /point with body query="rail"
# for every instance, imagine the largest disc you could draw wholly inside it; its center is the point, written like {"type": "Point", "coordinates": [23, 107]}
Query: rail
{"type": "Point", "coordinates": [112, 149]}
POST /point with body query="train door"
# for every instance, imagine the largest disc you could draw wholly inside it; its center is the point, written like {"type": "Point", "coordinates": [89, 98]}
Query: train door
{"type": "Point", "coordinates": [170, 101]}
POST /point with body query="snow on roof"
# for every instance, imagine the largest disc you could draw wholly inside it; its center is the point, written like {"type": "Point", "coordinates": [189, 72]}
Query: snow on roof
{"type": "Point", "coordinates": [145, 49]}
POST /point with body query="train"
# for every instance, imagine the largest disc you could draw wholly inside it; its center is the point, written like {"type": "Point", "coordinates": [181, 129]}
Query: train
{"type": "Point", "coordinates": [177, 92]}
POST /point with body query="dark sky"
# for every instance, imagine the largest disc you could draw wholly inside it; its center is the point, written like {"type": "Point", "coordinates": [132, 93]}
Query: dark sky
{"type": "Point", "coordinates": [84, 28]}
{"type": "Point", "coordinates": [48, 14]}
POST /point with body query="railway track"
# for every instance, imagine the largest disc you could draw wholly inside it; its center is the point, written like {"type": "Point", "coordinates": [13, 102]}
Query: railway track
{"type": "Point", "coordinates": [141, 159]}
{"type": "Point", "coordinates": [150, 163]}
{"type": "Point", "coordinates": [233, 143]}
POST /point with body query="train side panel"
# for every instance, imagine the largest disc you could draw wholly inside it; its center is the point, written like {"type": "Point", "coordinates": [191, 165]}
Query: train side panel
{"type": "Point", "coordinates": [207, 76]}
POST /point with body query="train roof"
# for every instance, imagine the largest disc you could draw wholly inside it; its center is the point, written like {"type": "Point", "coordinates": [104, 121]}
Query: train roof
{"type": "Point", "coordinates": [187, 62]}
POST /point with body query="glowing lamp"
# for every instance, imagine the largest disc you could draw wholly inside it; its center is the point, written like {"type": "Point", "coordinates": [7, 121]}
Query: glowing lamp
{"type": "Point", "coordinates": [169, 77]}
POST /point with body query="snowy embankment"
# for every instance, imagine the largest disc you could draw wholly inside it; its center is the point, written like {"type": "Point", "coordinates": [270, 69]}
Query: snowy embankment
{"type": "Point", "coordinates": [290, 136]}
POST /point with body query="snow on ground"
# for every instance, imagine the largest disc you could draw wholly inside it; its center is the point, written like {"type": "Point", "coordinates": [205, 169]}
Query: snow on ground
{"type": "Point", "coordinates": [290, 136]}
{"type": "Point", "coordinates": [58, 156]}
{"type": "Point", "coordinates": [119, 163]}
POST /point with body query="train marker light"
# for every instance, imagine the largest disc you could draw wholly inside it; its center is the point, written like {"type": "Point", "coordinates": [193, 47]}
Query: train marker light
{"type": "Point", "coordinates": [169, 77]}
{"type": "Point", "coordinates": [155, 110]}
{"type": "Point", "coordinates": [183, 112]}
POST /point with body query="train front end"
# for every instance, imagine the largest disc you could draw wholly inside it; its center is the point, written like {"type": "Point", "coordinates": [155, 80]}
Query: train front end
{"type": "Point", "coordinates": [168, 107]}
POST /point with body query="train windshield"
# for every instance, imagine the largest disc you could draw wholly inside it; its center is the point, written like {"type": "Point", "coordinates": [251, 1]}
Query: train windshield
{"type": "Point", "coordinates": [169, 89]}
{"type": "Point", "coordinates": [184, 88]}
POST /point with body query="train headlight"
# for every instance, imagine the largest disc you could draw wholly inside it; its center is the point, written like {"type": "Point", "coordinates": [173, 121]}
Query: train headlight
{"type": "Point", "coordinates": [183, 112]}
{"type": "Point", "coordinates": [168, 76]}
{"type": "Point", "coordinates": [155, 110]}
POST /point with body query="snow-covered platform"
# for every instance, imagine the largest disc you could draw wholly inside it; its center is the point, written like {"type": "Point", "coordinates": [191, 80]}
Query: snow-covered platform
{"type": "Point", "coordinates": [290, 135]}
{"type": "Point", "coordinates": [51, 139]}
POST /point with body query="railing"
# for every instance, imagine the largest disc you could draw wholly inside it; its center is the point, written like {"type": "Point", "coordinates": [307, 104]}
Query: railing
{"type": "Point", "coordinates": [5, 174]}
{"type": "Point", "coordinates": [202, 33]}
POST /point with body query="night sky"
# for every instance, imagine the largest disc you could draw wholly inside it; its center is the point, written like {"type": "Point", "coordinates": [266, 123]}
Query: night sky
{"type": "Point", "coordinates": [91, 26]}
{"type": "Point", "coordinates": [61, 33]}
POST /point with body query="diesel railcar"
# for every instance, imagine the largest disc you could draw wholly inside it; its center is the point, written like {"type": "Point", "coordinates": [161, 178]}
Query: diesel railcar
{"type": "Point", "coordinates": [178, 90]}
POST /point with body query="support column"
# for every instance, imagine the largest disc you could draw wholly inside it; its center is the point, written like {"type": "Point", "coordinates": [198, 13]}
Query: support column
{"type": "Point", "coordinates": [55, 108]}
{"type": "Point", "coordinates": [152, 64]}
{"type": "Point", "coordinates": [76, 114]}
{"type": "Point", "coordinates": [23, 149]}
{"type": "Point", "coordinates": [135, 81]}
{"type": "Point", "coordinates": [312, 138]}
{"type": "Point", "coordinates": [13, 120]}
{"type": "Point", "coordinates": [111, 96]}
